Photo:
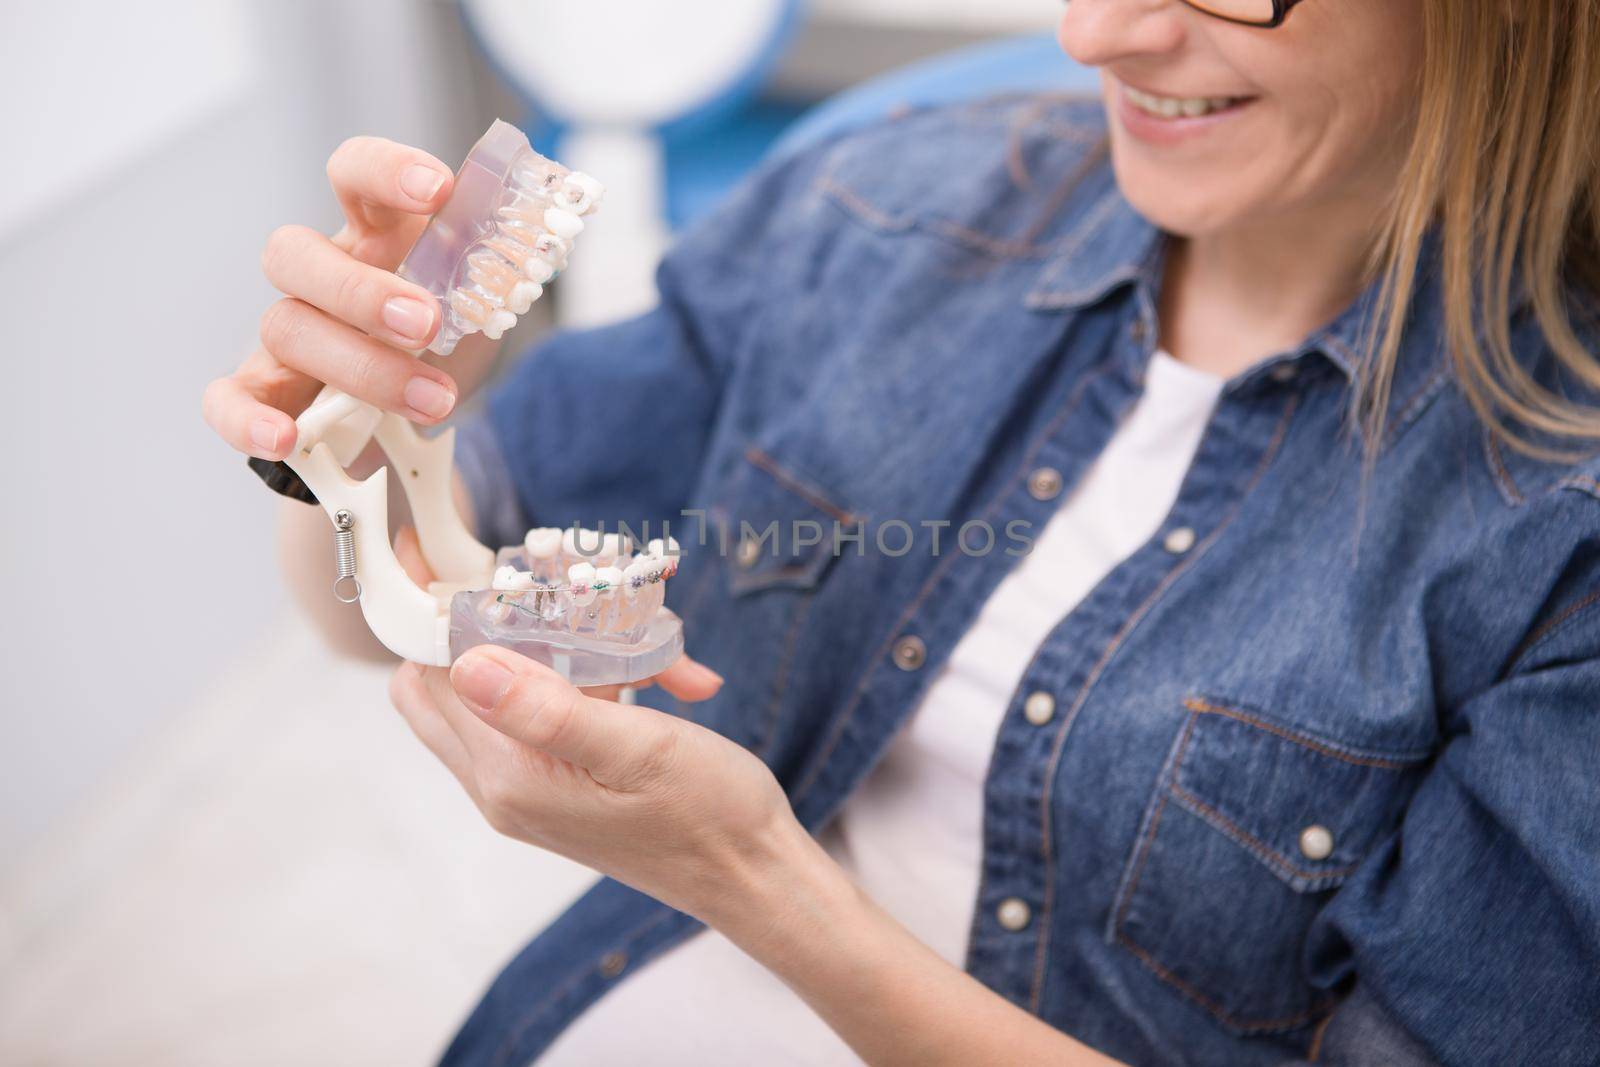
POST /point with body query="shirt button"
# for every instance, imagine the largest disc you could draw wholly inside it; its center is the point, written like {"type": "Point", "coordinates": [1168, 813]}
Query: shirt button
{"type": "Point", "coordinates": [910, 653]}
{"type": "Point", "coordinates": [1013, 913]}
{"type": "Point", "coordinates": [1044, 483]}
{"type": "Point", "coordinates": [1039, 708]}
{"type": "Point", "coordinates": [747, 553]}
{"type": "Point", "coordinates": [613, 964]}
{"type": "Point", "coordinates": [1285, 372]}
{"type": "Point", "coordinates": [1179, 540]}
{"type": "Point", "coordinates": [1316, 843]}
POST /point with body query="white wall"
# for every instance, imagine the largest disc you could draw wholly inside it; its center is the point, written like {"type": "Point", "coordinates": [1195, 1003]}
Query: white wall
{"type": "Point", "coordinates": [149, 149]}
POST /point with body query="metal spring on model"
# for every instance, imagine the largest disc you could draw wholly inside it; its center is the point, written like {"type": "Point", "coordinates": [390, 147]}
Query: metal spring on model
{"type": "Point", "coordinates": [344, 548]}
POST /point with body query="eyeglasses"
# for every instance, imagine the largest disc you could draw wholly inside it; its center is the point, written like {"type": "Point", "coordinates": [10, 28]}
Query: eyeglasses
{"type": "Point", "coordinates": [1262, 13]}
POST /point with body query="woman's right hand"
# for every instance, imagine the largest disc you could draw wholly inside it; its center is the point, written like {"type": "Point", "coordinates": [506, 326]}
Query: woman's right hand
{"type": "Point", "coordinates": [346, 318]}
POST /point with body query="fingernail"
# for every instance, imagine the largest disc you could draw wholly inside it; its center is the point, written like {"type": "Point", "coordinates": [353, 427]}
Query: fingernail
{"type": "Point", "coordinates": [421, 182]}
{"type": "Point", "coordinates": [264, 435]}
{"type": "Point", "coordinates": [480, 681]}
{"type": "Point", "coordinates": [407, 317]}
{"type": "Point", "coordinates": [427, 397]}
{"type": "Point", "coordinates": [706, 674]}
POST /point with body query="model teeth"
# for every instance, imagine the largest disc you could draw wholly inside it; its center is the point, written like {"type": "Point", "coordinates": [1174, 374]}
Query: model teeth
{"type": "Point", "coordinates": [595, 546]}
{"type": "Point", "coordinates": [528, 245]}
{"type": "Point", "coordinates": [552, 554]}
{"type": "Point", "coordinates": [608, 579]}
{"type": "Point", "coordinates": [580, 193]}
{"type": "Point", "coordinates": [509, 579]}
{"type": "Point", "coordinates": [549, 248]}
{"type": "Point", "coordinates": [523, 295]}
{"type": "Point", "coordinates": [499, 323]}
{"type": "Point", "coordinates": [1171, 107]}
{"type": "Point", "coordinates": [543, 542]}
{"type": "Point", "coordinates": [564, 224]}
{"type": "Point", "coordinates": [557, 579]}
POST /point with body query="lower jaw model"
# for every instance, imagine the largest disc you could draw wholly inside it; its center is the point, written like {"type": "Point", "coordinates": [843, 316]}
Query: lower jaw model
{"type": "Point", "coordinates": [595, 616]}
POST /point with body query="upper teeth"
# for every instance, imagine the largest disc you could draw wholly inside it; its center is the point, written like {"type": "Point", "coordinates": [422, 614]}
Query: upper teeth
{"type": "Point", "coordinates": [1170, 107]}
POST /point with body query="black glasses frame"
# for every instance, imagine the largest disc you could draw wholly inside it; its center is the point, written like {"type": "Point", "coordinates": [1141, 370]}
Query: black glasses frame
{"type": "Point", "coordinates": [1280, 11]}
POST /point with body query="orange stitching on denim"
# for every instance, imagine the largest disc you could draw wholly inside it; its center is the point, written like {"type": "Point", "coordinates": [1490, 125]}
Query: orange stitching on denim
{"type": "Point", "coordinates": [798, 486]}
{"type": "Point", "coordinates": [1533, 640]}
{"type": "Point", "coordinates": [1026, 248]}
{"type": "Point", "coordinates": [998, 247]}
{"type": "Point", "coordinates": [1042, 927]}
{"type": "Point", "coordinates": [1064, 189]}
{"type": "Point", "coordinates": [1206, 707]}
{"type": "Point", "coordinates": [1241, 837]}
{"type": "Point", "coordinates": [1045, 297]}
{"type": "Point", "coordinates": [1146, 841]}
{"type": "Point", "coordinates": [1016, 161]}
{"type": "Point", "coordinates": [932, 582]}
{"type": "Point", "coordinates": [1018, 113]}
{"type": "Point", "coordinates": [1502, 477]}
{"type": "Point", "coordinates": [999, 112]}
{"type": "Point", "coordinates": [1314, 1053]}
{"type": "Point", "coordinates": [1246, 839]}
{"type": "Point", "coordinates": [1588, 485]}
{"type": "Point", "coordinates": [1417, 400]}
{"type": "Point", "coordinates": [780, 679]}
{"type": "Point", "coordinates": [851, 200]}
{"type": "Point", "coordinates": [1047, 119]}
{"type": "Point", "coordinates": [1147, 838]}
{"type": "Point", "coordinates": [1289, 1022]}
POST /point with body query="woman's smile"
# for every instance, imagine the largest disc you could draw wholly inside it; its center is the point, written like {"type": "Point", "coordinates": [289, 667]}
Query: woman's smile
{"type": "Point", "coordinates": [1164, 119]}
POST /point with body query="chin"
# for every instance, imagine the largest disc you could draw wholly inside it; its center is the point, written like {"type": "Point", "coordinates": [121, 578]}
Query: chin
{"type": "Point", "coordinates": [1180, 201]}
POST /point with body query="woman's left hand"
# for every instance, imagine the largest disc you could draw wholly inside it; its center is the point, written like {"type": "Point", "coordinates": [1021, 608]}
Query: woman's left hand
{"type": "Point", "coordinates": [692, 819]}
{"type": "Point", "coordinates": [657, 802]}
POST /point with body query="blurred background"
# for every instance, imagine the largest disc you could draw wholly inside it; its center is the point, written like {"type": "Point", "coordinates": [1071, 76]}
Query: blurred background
{"type": "Point", "coordinates": [217, 843]}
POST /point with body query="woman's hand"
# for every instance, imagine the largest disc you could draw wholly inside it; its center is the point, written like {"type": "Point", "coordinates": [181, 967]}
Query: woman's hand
{"type": "Point", "coordinates": [657, 802]}
{"type": "Point", "coordinates": [699, 823]}
{"type": "Point", "coordinates": [346, 319]}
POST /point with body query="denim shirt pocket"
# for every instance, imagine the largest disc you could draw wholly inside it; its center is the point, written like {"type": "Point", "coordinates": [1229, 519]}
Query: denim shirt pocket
{"type": "Point", "coordinates": [776, 529]}
{"type": "Point", "coordinates": [768, 544]}
{"type": "Point", "coordinates": [1253, 825]}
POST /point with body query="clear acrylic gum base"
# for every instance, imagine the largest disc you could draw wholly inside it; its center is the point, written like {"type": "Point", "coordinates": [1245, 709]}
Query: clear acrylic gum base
{"type": "Point", "coordinates": [616, 638]}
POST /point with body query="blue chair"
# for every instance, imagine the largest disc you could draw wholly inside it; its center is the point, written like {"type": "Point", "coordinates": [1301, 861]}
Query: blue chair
{"type": "Point", "coordinates": [1022, 64]}
{"type": "Point", "coordinates": [701, 168]}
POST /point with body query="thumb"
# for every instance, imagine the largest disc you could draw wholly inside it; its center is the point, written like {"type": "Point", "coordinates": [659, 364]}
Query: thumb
{"type": "Point", "coordinates": [408, 550]}
{"type": "Point", "coordinates": [530, 703]}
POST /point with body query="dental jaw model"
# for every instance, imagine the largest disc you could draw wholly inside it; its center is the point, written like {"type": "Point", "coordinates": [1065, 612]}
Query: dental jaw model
{"type": "Point", "coordinates": [578, 594]}
{"type": "Point", "coordinates": [505, 233]}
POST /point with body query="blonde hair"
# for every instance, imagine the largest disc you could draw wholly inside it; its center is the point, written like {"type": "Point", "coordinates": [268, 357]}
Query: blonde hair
{"type": "Point", "coordinates": [1505, 160]}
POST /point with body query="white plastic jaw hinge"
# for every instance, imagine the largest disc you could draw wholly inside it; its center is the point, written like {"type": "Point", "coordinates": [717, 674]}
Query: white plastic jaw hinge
{"type": "Point", "coordinates": [410, 621]}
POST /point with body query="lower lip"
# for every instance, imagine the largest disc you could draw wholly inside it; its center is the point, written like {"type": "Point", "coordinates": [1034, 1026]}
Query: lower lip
{"type": "Point", "coordinates": [1158, 130]}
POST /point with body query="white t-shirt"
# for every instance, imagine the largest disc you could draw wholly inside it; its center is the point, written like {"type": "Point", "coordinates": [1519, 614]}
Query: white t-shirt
{"type": "Point", "coordinates": [912, 834]}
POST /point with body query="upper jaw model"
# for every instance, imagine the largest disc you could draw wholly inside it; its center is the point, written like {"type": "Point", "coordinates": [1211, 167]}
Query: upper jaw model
{"type": "Point", "coordinates": [505, 233]}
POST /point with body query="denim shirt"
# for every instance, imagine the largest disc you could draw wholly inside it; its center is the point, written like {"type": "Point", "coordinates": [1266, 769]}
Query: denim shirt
{"type": "Point", "coordinates": [1319, 784]}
